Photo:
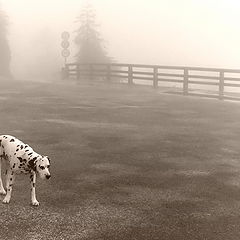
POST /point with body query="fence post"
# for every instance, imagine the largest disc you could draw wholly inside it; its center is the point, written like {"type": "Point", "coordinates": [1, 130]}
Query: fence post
{"type": "Point", "coordinates": [90, 72]}
{"type": "Point", "coordinates": [78, 71]}
{"type": "Point", "coordinates": [155, 77]}
{"type": "Point", "coordinates": [130, 75]}
{"type": "Point", "coordinates": [108, 72]}
{"type": "Point", "coordinates": [185, 81]}
{"type": "Point", "coordinates": [221, 85]}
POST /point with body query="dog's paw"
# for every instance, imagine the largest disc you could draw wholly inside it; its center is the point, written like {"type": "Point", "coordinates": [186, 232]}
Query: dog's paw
{"type": "Point", "coordinates": [6, 200]}
{"type": "Point", "coordinates": [2, 192]}
{"type": "Point", "coordinates": [35, 203]}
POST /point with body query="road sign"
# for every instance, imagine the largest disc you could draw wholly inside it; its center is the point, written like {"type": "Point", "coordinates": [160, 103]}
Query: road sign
{"type": "Point", "coordinates": [65, 35]}
{"type": "Point", "coordinates": [65, 53]}
{"type": "Point", "coordinates": [65, 44]}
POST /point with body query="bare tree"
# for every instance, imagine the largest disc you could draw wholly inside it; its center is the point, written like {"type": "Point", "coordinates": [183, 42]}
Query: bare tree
{"type": "Point", "coordinates": [91, 47]}
{"type": "Point", "coordinates": [5, 55]}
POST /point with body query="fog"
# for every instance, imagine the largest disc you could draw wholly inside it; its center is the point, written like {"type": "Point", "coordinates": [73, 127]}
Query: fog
{"type": "Point", "coordinates": [137, 152]}
{"type": "Point", "coordinates": [187, 32]}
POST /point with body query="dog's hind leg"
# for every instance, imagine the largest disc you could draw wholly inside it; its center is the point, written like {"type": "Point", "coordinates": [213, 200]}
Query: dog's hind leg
{"type": "Point", "coordinates": [2, 191]}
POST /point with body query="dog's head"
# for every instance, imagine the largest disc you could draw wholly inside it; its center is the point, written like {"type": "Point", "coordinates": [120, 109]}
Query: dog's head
{"type": "Point", "coordinates": [42, 167]}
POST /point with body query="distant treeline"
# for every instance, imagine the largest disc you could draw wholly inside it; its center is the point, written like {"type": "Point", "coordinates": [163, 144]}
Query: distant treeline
{"type": "Point", "coordinates": [5, 55]}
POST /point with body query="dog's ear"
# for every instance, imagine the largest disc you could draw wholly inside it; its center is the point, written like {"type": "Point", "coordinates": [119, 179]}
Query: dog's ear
{"type": "Point", "coordinates": [48, 158]}
{"type": "Point", "coordinates": [32, 165]}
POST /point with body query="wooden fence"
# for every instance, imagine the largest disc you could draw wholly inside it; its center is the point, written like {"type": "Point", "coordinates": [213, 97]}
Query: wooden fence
{"type": "Point", "coordinates": [185, 78]}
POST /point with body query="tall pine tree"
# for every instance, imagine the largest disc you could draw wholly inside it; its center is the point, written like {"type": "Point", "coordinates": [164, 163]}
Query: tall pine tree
{"type": "Point", "coordinates": [90, 45]}
{"type": "Point", "coordinates": [5, 55]}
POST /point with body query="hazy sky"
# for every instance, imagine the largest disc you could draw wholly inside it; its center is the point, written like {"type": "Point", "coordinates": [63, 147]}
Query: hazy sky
{"type": "Point", "coordinates": [170, 32]}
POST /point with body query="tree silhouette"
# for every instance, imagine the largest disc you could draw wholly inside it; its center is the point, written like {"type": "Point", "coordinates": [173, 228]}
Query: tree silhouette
{"type": "Point", "coordinates": [90, 45]}
{"type": "Point", "coordinates": [4, 47]}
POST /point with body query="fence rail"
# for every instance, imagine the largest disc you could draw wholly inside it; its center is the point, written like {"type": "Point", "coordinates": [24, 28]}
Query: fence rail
{"type": "Point", "coordinates": [186, 77]}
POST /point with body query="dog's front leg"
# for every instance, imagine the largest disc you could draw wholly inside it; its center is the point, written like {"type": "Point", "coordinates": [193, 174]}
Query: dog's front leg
{"type": "Point", "coordinates": [9, 183]}
{"type": "Point", "coordinates": [2, 191]}
{"type": "Point", "coordinates": [33, 193]}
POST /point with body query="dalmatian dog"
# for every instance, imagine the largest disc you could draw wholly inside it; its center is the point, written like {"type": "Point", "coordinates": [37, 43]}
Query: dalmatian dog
{"type": "Point", "coordinates": [20, 158]}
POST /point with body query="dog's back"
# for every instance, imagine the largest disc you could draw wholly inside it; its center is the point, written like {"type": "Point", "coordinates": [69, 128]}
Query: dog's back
{"type": "Point", "coordinates": [9, 145]}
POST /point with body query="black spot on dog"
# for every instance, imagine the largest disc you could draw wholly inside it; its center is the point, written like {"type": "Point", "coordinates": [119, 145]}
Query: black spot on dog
{"type": "Point", "coordinates": [21, 146]}
{"type": "Point", "coordinates": [35, 158]}
{"type": "Point", "coordinates": [18, 145]}
{"type": "Point", "coordinates": [30, 154]}
{"type": "Point", "coordinates": [20, 159]}
{"type": "Point", "coordinates": [12, 140]}
{"type": "Point", "coordinates": [15, 153]}
{"type": "Point", "coordinates": [26, 150]}
{"type": "Point", "coordinates": [41, 167]}
{"type": "Point", "coordinates": [10, 179]}
{"type": "Point", "coordinates": [33, 185]}
{"type": "Point", "coordinates": [17, 150]}
{"type": "Point", "coordinates": [32, 165]}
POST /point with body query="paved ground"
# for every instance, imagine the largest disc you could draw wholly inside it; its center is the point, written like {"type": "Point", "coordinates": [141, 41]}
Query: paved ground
{"type": "Point", "coordinates": [127, 163]}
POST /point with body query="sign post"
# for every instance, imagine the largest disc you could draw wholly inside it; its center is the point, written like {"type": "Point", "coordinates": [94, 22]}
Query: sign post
{"type": "Point", "coordinates": [65, 52]}
{"type": "Point", "coordinates": [65, 45]}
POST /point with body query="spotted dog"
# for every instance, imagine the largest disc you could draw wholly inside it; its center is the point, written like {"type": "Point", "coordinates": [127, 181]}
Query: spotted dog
{"type": "Point", "coordinates": [20, 158]}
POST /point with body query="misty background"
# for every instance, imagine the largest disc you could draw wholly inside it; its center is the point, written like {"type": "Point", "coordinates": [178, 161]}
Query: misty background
{"type": "Point", "coordinates": [187, 32]}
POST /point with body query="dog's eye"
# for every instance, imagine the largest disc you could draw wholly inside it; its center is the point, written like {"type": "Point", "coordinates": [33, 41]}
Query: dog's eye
{"type": "Point", "coordinates": [42, 167]}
